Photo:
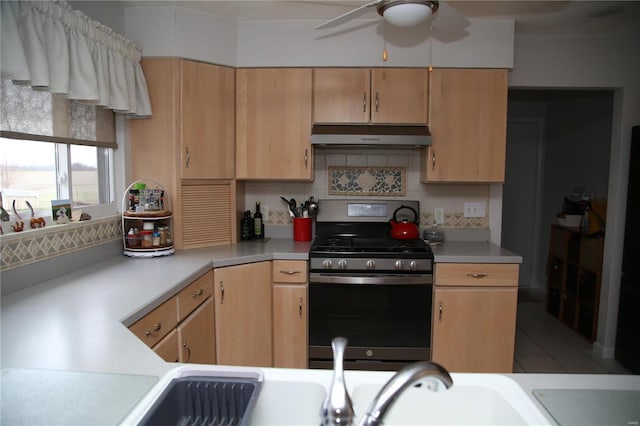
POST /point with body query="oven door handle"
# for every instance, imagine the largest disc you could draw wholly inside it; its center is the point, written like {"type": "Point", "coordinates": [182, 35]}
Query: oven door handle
{"type": "Point", "coordinates": [375, 280]}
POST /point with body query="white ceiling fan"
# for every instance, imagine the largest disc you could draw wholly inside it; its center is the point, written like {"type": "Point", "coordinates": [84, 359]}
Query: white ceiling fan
{"type": "Point", "coordinates": [401, 13]}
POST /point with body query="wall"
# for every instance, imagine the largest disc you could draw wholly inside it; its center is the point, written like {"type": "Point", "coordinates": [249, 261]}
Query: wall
{"type": "Point", "coordinates": [594, 62]}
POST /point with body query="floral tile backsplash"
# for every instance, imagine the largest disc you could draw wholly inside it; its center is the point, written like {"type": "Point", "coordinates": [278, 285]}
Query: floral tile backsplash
{"type": "Point", "coordinates": [378, 181]}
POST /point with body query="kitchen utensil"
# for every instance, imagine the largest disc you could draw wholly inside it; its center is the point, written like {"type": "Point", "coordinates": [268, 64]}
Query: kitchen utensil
{"type": "Point", "coordinates": [404, 229]}
{"type": "Point", "coordinates": [292, 212]}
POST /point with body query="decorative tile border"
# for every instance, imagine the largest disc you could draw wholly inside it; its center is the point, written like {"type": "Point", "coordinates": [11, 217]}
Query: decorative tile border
{"type": "Point", "coordinates": [23, 248]}
{"type": "Point", "coordinates": [455, 220]}
{"type": "Point", "coordinates": [379, 181]}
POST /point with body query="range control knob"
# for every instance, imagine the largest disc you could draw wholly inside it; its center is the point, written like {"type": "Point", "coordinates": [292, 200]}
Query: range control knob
{"type": "Point", "coordinates": [413, 265]}
{"type": "Point", "coordinates": [342, 264]}
{"type": "Point", "coordinates": [398, 265]}
{"type": "Point", "coordinates": [371, 265]}
{"type": "Point", "coordinates": [327, 264]}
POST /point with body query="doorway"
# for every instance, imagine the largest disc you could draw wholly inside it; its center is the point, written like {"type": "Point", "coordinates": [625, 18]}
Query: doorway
{"type": "Point", "coordinates": [557, 141]}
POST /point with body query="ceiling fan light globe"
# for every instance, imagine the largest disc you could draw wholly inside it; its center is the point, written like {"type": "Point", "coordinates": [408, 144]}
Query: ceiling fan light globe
{"type": "Point", "coordinates": [407, 14]}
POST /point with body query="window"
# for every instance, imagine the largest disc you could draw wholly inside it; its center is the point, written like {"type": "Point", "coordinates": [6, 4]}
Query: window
{"type": "Point", "coordinates": [52, 149]}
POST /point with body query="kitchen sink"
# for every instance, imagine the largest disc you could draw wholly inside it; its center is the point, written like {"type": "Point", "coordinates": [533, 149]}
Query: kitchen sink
{"type": "Point", "coordinates": [208, 396]}
{"type": "Point", "coordinates": [474, 399]}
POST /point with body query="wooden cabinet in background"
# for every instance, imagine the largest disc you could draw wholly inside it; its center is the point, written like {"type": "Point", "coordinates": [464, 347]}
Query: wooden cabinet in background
{"type": "Point", "coordinates": [370, 95]}
{"type": "Point", "coordinates": [273, 123]}
{"type": "Point", "coordinates": [243, 318]}
{"type": "Point", "coordinates": [290, 339]}
{"type": "Point", "coordinates": [189, 140]}
{"type": "Point", "coordinates": [574, 273]}
{"type": "Point", "coordinates": [468, 121]}
{"type": "Point", "coordinates": [474, 316]}
{"type": "Point", "coordinates": [182, 328]}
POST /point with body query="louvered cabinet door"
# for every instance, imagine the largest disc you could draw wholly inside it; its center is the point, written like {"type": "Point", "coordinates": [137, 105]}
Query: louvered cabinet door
{"type": "Point", "coordinates": [207, 214]}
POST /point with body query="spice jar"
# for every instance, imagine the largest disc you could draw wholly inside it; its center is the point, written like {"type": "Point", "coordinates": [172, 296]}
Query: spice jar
{"type": "Point", "coordinates": [133, 239]}
{"type": "Point", "coordinates": [156, 239]}
{"type": "Point", "coordinates": [164, 234]}
{"type": "Point", "coordinates": [146, 239]}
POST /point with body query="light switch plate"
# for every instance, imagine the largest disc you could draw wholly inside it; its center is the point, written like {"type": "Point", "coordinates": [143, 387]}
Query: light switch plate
{"type": "Point", "coordinates": [438, 216]}
{"type": "Point", "coordinates": [475, 209]}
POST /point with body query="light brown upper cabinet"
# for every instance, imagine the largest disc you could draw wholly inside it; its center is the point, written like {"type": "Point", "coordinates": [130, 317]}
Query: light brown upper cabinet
{"type": "Point", "coordinates": [273, 123]}
{"type": "Point", "coordinates": [189, 141]}
{"type": "Point", "coordinates": [370, 95]}
{"type": "Point", "coordinates": [468, 121]}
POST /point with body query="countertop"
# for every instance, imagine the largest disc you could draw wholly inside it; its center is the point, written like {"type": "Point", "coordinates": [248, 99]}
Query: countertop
{"type": "Point", "coordinates": [77, 323]}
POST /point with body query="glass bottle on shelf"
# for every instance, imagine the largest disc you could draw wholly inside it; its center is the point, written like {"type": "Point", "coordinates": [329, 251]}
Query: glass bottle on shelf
{"type": "Point", "coordinates": [258, 226]}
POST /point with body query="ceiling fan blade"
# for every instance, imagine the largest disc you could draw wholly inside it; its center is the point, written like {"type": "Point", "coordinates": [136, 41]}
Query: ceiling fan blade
{"type": "Point", "coordinates": [338, 20]}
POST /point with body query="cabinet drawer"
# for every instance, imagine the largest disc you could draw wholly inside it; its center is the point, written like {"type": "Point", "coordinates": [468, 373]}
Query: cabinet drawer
{"type": "Point", "coordinates": [289, 271]}
{"type": "Point", "coordinates": [167, 348]}
{"type": "Point", "coordinates": [157, 323]}
{"type": "Point", "coordinates": [477, 274]}
{"type": "Point", "coordinates": [194, 294]}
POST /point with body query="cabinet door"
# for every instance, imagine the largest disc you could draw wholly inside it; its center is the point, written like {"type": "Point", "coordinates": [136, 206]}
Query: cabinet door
{"type": "Point", "coordinates": [167, 348]}
{"type": "Point", "coordinates": [399, 95]}
{"type": "Point", "coordinates": [341, 95]}
{"type": "Point", "coordinates": [273, 123]}
{"type": "Point", "coordinates": [468, 116]}
{"type": "Point", "coordinates": [197, 337]}
{"type": "Point", "coordinates": [290, 326]}
{"type": "Point", "coordinates": [243, 314]}
{"type": "Point", "coordinates": [474, 329]}
{"type": "Point", "coordinates": [207, 121]}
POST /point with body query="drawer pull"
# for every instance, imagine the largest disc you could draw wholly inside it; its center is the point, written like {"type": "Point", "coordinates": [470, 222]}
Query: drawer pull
{"type": "Point", "coordinates": [184, 345]}
{"type": "Point", "coordinates": [198, 293]}
{"type": "Point", "coordinates": [300, 308]}
{"type": "Point", "coordinates": [440, 312]}
{"type": "Point", "coordinates": [221, 292]}
{"type": "Point", "coordinates": [290, 272]}
{"type": "Point", "coordinates": [156, 327]}
{"type": "Point", "coordinates": [477, 275]}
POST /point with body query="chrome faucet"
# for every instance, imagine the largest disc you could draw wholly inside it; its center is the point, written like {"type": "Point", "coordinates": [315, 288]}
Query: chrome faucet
{"type": "Point", "coordinates": [337, 408]}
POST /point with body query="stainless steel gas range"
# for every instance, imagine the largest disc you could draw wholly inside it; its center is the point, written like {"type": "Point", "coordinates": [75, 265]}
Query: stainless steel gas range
{"type": "Point", "coordinates": [368, 287]}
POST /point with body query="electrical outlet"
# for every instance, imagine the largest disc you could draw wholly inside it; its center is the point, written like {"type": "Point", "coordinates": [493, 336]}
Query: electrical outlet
{"type": "Point", "coordinates": [438, 216]}
{"type": "Point", "coordinates": [475, 209]}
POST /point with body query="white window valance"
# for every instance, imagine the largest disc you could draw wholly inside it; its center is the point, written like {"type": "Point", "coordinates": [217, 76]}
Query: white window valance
{"type": "Point", "coordinates": [50, 46]}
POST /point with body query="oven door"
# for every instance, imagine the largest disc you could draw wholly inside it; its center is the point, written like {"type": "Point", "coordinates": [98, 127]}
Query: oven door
{"type": "Point", "coordinates": [386, 319]}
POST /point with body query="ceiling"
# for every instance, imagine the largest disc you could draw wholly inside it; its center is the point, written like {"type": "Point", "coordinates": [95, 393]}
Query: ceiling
{"type": "Point", "coordinates": [531, 17]}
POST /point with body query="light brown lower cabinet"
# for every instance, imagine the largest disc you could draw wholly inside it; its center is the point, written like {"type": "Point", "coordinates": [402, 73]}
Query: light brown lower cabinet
{"type": "Point", "coordinates": [243, 309]}
{"type": "Point", "coordinates": [290, 317]}
{"type": "Point", "coordinates": [182, 328]}
{"type": "Point", "coordinates": [196, 336]}
{"type": "Point", "coordinates": [474, 317]}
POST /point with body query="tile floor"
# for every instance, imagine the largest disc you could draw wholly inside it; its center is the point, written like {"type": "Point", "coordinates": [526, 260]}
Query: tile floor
{"type": "Point", "coordinates": [545, 345]}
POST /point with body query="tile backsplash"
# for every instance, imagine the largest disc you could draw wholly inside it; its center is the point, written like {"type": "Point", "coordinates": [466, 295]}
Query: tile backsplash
{"type": "Point", "coordinates": [450, 197]}
{"type": "Point", "coordinates": [27, 247]}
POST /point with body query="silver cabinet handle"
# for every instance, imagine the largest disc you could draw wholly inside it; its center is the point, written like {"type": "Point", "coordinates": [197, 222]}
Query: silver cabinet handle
{"type": "Point", "coordinates": [221, 292]}
{"type": "Point", "coordinates": [377, 102]}
{"type": "Point", "coordinates": [198, 293]}
{"type": "Point", "coordinates": [306, 158]}
{"type": "Point", "coordinates": [186, 346]}
{"type": "Point", "coordinates": [290, 272]}
{"type": "Point", "coordinates": [477, 275]}
{"type": "Point", "coordinates": [188, 157]}
{"type": "Point", "coordinates": [156, 327]}
{"type": "Point", "coordinates": [300, 308]}
{"type": "Point", "coordinates": [433, 160]}
{"type": "Point", "coordinates": [364, 102]}
{"type": "Point", "coordinates": [440, 312]}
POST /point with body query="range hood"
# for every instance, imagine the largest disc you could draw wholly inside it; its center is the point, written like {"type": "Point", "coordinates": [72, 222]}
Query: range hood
{"type": "Point", "coordinates": [370, 135]}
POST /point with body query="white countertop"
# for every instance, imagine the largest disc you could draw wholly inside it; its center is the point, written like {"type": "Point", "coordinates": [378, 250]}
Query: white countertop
{"type": "Point", "coordinates": [78, 322]}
